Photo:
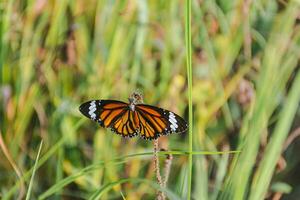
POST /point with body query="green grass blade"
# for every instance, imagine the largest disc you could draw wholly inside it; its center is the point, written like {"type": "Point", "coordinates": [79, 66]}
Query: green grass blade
{"type": "Point", "coordinates": [62, 183]}
{"type": "Point", "coordinates": [264, 174]}
{"type": "Point", "coordinates": [270, 85]}
{"type": "Point", "coordinates": [188, 44]}
{"type": "Point", "coordinates": [116, 161]}
{"type": "Point", "coordinates": [99, 193]}
{"type": "Point", "coordinates": [33, 172]}
{"type": "Point", "coordinates": [228, 66]}
{"type": "Point", "coordinates": [26, 176]}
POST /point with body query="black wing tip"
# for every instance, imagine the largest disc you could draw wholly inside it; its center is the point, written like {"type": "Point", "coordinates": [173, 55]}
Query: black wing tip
{"type": "Point", "coordinates": [83, 108]}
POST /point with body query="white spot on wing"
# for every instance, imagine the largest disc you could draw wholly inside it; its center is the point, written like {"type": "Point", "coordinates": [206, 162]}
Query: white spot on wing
{"type": "Point", "coordinates": [173, 121]}
{"type": "Point", "coordinates": [172, 127]}
{"type": "Point", "coordinates": [172, 115]}
{"type": "Point", "coordinates": [92, 109]}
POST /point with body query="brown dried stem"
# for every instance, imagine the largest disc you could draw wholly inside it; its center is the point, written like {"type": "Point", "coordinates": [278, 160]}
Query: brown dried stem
{"type": "Point", "coordinates": [160, 195]}
{"type": "Point", "coordinates": [167, 168]}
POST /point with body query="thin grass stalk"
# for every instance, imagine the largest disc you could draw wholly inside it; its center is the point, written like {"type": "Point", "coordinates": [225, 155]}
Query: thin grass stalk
{"type": "Point", "coordinates": [33, 173]}
{"type": "Point", "coordinates": [188, 44]}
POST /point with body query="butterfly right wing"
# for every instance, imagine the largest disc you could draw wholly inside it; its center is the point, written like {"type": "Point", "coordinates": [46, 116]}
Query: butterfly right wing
{"type": "Point", "coordinates": [111, 114]}
{"type": "Point", "coordinates": [155, 121]}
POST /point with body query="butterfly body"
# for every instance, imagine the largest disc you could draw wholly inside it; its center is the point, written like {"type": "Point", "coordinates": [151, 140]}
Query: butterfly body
{"type": "Point", "coordinates": [133, 118]}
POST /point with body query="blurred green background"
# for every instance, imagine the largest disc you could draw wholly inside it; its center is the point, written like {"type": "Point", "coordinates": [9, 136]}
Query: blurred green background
{"type": "Point", "coordinates": [55, 55]}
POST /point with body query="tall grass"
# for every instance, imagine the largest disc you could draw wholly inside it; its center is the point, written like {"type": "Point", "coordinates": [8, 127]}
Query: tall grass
{"type": "Point", "coordinates": [188, 44]}
{"type": "Point", "coordinates": [278, 64]}
{"type": "Point", "coordinates": [228, 67]}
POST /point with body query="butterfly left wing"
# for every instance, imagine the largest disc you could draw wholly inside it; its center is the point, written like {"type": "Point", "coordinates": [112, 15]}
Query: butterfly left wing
{"type": "Point", "coordinates": [110, 114]}
{"type": "Point", "coordinates": [154, 121]}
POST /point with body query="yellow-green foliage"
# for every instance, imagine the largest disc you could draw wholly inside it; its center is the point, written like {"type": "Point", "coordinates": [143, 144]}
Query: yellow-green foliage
{"type": "Point", "coordinates": [244, 87]}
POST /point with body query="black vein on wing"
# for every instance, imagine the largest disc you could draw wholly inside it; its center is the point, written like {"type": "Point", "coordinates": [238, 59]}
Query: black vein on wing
{"type": "Point", "coordinates": [115, 118]}
{"type": "Point", "coordinates": [129, 121]}
{"type": "Point", "coordinates": [150, 122]}
{"type": "Point", "coordinates": [156, 134]}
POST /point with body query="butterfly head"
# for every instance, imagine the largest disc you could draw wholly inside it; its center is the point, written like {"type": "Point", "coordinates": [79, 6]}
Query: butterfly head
{"type": "Point", "coordinates": [135, 98]}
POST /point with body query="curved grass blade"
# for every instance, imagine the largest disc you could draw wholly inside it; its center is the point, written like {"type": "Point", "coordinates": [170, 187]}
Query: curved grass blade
{"type": "Point", "coordinates": [117, 161]}
{"type": "Point", "coordinates": [98, 194]}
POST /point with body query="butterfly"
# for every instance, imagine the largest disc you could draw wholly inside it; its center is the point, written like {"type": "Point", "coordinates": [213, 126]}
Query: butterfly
{"type": "Point", "coordinates": [133, 118]}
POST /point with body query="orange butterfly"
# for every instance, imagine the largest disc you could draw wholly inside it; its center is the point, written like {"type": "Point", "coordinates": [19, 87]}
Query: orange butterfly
{"type": "Point", "coordinates": [133, 118]}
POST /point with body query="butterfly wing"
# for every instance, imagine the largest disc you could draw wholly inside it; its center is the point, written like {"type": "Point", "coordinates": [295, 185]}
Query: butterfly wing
{"type": "Point", "coordinates": [154, 121]}
{"type": "Point", "coordinates": [110, 114]}
{"type": "Point", "coordinates": [125, 125]}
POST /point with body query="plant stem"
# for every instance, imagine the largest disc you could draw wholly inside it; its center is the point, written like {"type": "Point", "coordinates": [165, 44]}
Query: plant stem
{"type": "Point", "coordinates": [160, 195]}
{"type": "Point", "coordinates": [167, 169]}
{"type": "Point", "coordinates": [189, 78]}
